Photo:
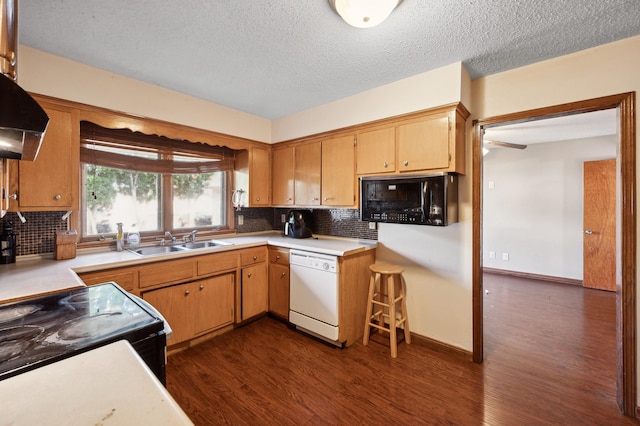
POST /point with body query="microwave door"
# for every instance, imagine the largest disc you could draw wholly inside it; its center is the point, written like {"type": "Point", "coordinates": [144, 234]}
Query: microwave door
{"type": "Point", "coordinates": [425, 204]}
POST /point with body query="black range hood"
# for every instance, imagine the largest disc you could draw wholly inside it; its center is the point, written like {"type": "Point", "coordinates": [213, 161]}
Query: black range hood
{"type": "Point", "coordinates": [23, 122]}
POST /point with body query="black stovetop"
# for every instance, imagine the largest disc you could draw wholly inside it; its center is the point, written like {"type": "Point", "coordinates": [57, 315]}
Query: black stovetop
{"type": "Point", "coordinates": [41, 330]}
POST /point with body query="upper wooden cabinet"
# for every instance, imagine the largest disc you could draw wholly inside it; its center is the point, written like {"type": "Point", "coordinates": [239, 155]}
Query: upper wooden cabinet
{"type": "Point", "coordinates": [253, 176]}
{"type": "Point", "coordinates": [51, 182]}
{"type": "Point", "coordinates": [377, 151]}
{"type": "Point", "coordinates": [307, 174]}
{"type": "Point", "coordinates": [431, 141]}
{"type": "Point", "coordinates": [338, 172]}
{"type": "Point", "coordinates": [4, 186]}
{"type": "Point", "coordinates": [283, 163]}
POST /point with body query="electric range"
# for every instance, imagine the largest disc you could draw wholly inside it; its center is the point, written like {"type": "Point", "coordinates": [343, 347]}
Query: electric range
{"type": "Point", "coordinates": [38, 331]}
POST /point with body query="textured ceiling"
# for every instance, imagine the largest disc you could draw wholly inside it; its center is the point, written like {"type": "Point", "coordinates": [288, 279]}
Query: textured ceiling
{"type": "Point", "coordinates": [273, 58]}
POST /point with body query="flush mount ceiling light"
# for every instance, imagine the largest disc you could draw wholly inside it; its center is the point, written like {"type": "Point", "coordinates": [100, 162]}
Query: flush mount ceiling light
{"type": "Point", "coordinates": [364, 13]}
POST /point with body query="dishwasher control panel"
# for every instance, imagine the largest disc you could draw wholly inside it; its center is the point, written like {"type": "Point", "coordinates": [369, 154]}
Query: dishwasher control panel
{"type": "Point", "coordinates": [312, 260]}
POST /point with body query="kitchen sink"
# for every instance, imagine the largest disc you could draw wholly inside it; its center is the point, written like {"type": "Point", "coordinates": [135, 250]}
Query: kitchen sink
{"type": "Point", "coordinates": [204, 244]}
{"type": "Point", "coordinates": [147, 251]}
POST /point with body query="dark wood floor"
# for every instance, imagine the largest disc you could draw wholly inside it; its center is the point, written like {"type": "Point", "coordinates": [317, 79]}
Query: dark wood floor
{"type": "Point", "coordinates": [549, 359]}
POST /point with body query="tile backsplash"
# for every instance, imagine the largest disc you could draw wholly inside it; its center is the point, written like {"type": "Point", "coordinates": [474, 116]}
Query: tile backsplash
{"type": "Point", "coordinates": [38, 234]}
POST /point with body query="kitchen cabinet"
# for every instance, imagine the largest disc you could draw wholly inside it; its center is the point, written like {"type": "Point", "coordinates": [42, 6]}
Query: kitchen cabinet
{"type": "Point", "coordinates": [195, 308]}
{"type": "Point", "coordinates": [254, 285]}
{"type": "Point", "coordinates": [4, 186]}
{"type": "Point", "coordinates": [51, 182]}
{"type": "Point", "coordinates": [165, 273]}
{"type": "Point", "coordinates": [253, 176]}
{"type": "Point", "coordinates": [279, 282]}
{"type": "Point", "coordinates": [127, 278]}
{"type": "Point", "coordinates": [376, 151]}
{"type": "Point", "coordinates": [425, 142]}
{"type": "Point", "coordinates": [283, 176]}
{"type": "Point", "coordinates": [308, 157]}
{"type": "Point", "coordinates": [338, 172]}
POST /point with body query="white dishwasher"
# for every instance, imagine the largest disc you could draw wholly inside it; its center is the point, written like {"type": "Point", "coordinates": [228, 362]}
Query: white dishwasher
{"type": "Point", "coordinates": [313, 302]}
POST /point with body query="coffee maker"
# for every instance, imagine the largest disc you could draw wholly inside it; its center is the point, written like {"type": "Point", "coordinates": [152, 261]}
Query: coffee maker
{"type": "Point", "coordinates": [8, 244]}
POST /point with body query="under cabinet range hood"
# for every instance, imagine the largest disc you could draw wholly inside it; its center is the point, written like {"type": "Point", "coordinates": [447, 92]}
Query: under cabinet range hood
{"type": "Point", "coordinates": [23, 122]}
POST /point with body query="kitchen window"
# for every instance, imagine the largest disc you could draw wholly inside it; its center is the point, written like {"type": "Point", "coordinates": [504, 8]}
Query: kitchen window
{"type": "Point", "coordinates": [151, 184]}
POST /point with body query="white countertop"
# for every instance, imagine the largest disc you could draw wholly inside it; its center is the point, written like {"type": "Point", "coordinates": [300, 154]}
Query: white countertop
{"type": "Point", "coordinates": [38, 275]}
{"type": "Point", "coordinates": [110, 385]}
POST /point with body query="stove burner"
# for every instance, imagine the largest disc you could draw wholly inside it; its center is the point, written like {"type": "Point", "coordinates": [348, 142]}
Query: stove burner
{"type": "Point", "coordinates": [16, 340]}
{"type": "Point", "coordinates": [97, 325]}
{"type": "Point", "coordinates": [17, 312]}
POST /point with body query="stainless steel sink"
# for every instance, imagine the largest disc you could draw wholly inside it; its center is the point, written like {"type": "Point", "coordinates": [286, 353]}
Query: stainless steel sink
{"type": "Point", "coordinates": [204, 244]}
{"type": "Point", "coordinates": [147, 251]}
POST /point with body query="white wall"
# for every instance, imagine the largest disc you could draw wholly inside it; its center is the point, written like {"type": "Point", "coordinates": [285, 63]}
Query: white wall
{"type": "Point", "coordinates": [46, 74]}
{"type": "Point", "coordinates": [534, 210]}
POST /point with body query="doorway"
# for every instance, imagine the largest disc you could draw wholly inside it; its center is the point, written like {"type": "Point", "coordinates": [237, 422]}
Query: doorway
{"type": "Point", "coordinates": [625, 241]}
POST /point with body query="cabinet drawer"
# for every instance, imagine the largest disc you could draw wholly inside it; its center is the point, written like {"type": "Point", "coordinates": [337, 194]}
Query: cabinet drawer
{"type": "Point", "coordinates": [279, 256]}
{"type": "Point", "coordinates": [166, 273]}
{"type": "Point", "coordinates": [125, 279]}
{"type": "Point", "coordinates": [251, 256]}
{"type": "Point", "coordinates": [211, 264]}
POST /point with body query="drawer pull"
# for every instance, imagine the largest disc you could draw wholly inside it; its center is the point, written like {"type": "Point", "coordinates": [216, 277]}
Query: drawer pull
{"type": "Point", "coordinates": [277, 257]}
{"type": "Point", "coordinates": [186, 293]}
{"type": "Point", "coordinates": [249, 275]}
{"type": "Point", "coordinates": [284, 274]}
{"type": "Point", "coordinates": [201, 287]}
{"type": "Point", "coordinates": [255, 257]}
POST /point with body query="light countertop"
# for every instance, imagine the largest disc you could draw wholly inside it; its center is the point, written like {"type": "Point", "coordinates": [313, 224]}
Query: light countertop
{"type": "Point", "coordinates": [109, 385]}
{"type": "Point", "coordinates": [39, 275]}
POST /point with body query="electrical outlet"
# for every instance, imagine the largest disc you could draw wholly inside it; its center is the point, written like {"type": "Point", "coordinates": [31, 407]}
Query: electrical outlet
{"type": "Point", "coordinates": [283, 218]}
{"type": "Point", "coordinates": [492, 255]}
{"type": "Point", "coordinates": [240, 219]}
{"type": "Point", "coordinates": [372, 225]}
{"type": "Point", "coordinates": [505, 256]}
{"type": "Point", "coordinates": [492, 184]}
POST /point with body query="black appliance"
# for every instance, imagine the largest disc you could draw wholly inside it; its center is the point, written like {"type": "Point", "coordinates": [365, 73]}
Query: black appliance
{"type": "Point", "coordinates": [423, 200]}
{"type": "Point", "coordinates": [8, 244]}
{"type": "Point", "coordinates": [41, 330]}
{"type": "Point", "coordinates": [299, 224]}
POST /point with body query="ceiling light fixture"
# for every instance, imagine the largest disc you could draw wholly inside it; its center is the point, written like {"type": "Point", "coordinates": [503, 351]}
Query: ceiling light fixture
{"type": "Point", "coordinates": [364, 13]}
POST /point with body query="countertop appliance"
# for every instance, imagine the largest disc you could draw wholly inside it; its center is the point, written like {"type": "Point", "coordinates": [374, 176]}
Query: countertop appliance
{"type": "Point", "coordinates": [313, 294]}
{"type": "Point", "coordinates": [299, 224]}
{"type": "Point", "coordinates": [420, 200]}
{"type": "Point", "coordinates": [41, 330]}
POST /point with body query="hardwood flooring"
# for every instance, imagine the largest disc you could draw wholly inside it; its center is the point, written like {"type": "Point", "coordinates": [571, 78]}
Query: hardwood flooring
{"type": "Point", "coordinates": [549, 359]}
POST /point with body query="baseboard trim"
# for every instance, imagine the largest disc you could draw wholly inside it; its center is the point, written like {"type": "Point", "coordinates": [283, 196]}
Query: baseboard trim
{"type": "Point", "coordinates": [441, 347]}
{"type": "Point", "coordinates": [538, 277]}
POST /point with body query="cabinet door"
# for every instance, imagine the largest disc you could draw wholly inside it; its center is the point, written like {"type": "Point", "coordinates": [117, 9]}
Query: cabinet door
{"type": "Point", "coordinates": [338, 172]}
{"type": "Point", "coordinates": [212, 304]}
{"type": "Point", "coordinates": [255, 290]}
{"type": "Point", "coordinates": [260, 177]}
{"type": "Point", "coordinates": [51, 181]}
{"type": "Point", "coordinates": [376, 151]}
{"type": "Point", "coordinates": [172, 302]}
{"type": "Point", "coordinates": [279, 290]}
{"type": "Point", "coordinates": [126, 278]}
{"type": "Point", "coordinates": [283, 176]}
{"type": "Point", "coordinates": [307, 174]}
{"type": "Point", "coordinates": [424, 144]}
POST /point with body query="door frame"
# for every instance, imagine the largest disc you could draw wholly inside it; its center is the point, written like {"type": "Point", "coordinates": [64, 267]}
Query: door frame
{"type": "Point", "coordinates": [626, 236]}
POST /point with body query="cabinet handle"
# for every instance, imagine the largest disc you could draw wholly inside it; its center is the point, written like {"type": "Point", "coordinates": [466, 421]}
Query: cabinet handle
{"type": "Point", "coordinates": [257, 198]}
{"type": "Point", "coordinates": [325, 199]}
{"type": "Point", "coordinates": [386, 164]}
{"type": "Point", "coordinates": [186, 292]}
{"type": "Point", "coordinates": [58, 197]}
{"type": "Point", "coordinates": [284, 274]}
{"type": "Point", "coordinates": [201, 287]}
{"type": "Point", "coordinates": [13, 196]}
{"type": "Point", "coordinates": [406, 162]}
{"type": "Point", "coordinates": [289, 199]}
{"type": "Point", "coordinates": [277, 257]}
{"type": "Point", "coordinates": [249, 275]}
{"type": "Point", "coordinates": [255, 257]}
{"type": "Point", "coordinates": [314, 199]}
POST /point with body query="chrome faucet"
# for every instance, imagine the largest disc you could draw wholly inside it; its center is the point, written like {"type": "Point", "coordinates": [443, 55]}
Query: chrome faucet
{"type": "Point", "coordinates": [171, 237]}
{"type": "Point", "coordinates": [190, 237]}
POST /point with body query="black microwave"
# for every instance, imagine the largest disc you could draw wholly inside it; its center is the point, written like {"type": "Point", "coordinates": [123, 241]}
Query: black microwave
{"type": "Point", "coordinates": [423, 200]}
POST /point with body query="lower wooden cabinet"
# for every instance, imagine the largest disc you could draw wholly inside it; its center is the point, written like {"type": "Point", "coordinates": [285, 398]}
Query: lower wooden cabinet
{"type": "Point", "coordinates": [195, 308]}
{"type": "Point", "coordinates": [254, 291]}
{"type": "Point", "coordinates": [279, 282]}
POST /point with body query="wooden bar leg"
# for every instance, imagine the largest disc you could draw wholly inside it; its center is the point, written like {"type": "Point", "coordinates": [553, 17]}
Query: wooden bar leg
{"type": "Point", "coordinates": [407, 332]}
{"type": "Point", "coordinates": [367, 327]}
{"type": "Point", "coordinates": [391, 294]}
